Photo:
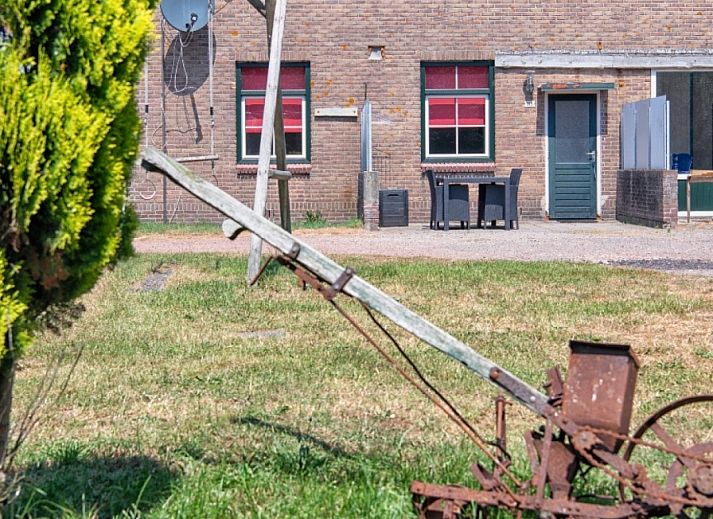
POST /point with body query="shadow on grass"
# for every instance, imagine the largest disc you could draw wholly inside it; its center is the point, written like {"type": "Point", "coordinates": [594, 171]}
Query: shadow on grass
{"type": "Point", "coordinates": [269, 268]}
{"type": "Point", "coordinates": [92, 486]}
{"type": "Point", "coordinates": [295, 433]}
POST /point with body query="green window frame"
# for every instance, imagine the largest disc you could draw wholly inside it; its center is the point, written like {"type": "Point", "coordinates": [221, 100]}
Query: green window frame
{"type": "Point", "coordinates": [247, 95]}
{"type": "Point", "coordinates": [465, 139]}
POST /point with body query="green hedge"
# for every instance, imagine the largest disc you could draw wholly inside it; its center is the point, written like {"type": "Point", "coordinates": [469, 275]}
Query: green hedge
{"type": "Point", "coordinates": [69, 135]}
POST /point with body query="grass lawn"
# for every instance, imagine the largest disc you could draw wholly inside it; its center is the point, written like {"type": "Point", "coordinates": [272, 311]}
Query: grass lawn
{"type": "Point", "coordinates": [178, 408]}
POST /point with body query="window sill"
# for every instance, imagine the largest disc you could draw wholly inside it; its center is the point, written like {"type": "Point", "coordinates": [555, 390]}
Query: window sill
{"type": "Point", "coordinates": [295, 169]}
{"type": "Point", "coordinates": [459, 167]}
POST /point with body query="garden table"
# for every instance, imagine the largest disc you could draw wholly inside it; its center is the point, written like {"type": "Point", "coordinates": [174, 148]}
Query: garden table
{"type": "Point", "coordinates": [477, 178]}
{"type": "Point", "coordinates": [694, 176]}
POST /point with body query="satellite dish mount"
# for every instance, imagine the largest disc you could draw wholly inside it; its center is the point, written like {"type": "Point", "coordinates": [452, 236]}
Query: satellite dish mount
{"type": "Point", "coordinates": [186, 15]}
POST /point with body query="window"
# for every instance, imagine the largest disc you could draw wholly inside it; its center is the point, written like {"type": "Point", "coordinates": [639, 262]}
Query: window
{"type": "Point", "coordinates": [690, 95]}
{"type": "Point", "coordinates": [457, 111]}
{"type": "Point", "coordinates": [294, 81]}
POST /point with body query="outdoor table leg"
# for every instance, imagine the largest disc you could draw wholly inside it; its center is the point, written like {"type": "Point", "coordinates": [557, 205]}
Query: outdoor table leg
{"type": "Point", "coordinates": [506, 212]}
{"type": "Point", "coordinates": [481, 205]}
{"type": "Point", "coordinates": [688, 198]}
{"type": "Point", "coordinates": [446, 197]}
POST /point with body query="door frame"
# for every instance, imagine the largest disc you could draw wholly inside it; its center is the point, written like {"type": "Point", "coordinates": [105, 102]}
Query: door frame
{"type": "Point", "coordinates": [598, 128]}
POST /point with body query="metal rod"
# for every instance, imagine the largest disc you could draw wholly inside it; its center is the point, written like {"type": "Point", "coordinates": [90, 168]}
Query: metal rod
{"type": "Point", "coordinates": [164, 136]}
{"type": "Point", "coordinates": [500, 424]}
{"type": "Point", "coordinates": [146, 103]}
{"type": "Point", "coordinates": [199, 158]}
{"type": "Point", "coordinates": [211, 12]}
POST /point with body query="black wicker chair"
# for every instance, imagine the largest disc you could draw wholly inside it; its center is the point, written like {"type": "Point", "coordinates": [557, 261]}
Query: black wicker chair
{"type": "Point", "coordinates": [491, 201]}
{"type": "Point", "coordinates": [458, 203]}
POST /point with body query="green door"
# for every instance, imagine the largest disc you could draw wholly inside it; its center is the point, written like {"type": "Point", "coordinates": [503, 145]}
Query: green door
{"type": "Point", "coordinates": [572, 135]}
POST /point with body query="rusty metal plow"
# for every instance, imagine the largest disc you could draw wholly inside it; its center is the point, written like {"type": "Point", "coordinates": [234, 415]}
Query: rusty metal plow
{"type": "Point", "coordinates": [557, 458]}
{"type": "Point", "coordinates": [587, 416]}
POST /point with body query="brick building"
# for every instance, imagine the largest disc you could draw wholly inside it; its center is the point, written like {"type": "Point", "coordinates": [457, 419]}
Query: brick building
{"type": "Point", "coordinates": [448, 82]}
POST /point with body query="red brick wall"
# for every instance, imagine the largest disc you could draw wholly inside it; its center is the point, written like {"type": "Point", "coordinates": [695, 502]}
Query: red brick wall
{"type": "Point", "coordinates": [334, 36]}
{"type": "Point", "coordinates": [648, 197]}
{"type": "Point", "coordinates": [520, 131]}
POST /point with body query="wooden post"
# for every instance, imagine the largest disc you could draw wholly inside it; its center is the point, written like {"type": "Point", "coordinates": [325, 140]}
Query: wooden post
{"type": "Point", "coordinates": [358, 288]}
{"type": "Point", "coordinates": [268, 126]}
{"type": "Point", "coordinates": [371, 200]}
{"type": "Point", "coordinates": [283, 189]}
{"type": "Point", "coordinates": [688, 198]}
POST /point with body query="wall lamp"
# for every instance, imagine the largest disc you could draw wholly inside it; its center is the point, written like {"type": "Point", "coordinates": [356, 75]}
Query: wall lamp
{"type": "Point", "coordinates": [528, 88]}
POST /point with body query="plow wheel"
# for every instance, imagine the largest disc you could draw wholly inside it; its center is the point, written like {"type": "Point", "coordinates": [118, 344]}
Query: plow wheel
{"type": "Point", "coordinates": [686, 428]}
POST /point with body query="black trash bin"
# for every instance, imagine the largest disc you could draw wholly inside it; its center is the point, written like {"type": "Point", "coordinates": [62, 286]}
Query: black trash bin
{"type": "Point", "coordinates": [393, 208]}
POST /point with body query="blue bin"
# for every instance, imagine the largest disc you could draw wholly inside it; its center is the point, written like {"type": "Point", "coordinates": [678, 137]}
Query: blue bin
{"type": "Point", "coordinates": [681, 162]}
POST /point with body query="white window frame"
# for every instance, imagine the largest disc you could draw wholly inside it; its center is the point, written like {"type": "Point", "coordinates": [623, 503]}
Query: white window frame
{"type": "Point", "coordinates": [243, 129]}
{"type": "Point", "coordinates": [486, 126]}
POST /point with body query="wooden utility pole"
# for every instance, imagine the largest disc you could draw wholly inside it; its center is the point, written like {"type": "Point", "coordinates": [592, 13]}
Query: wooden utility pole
{"type": "Point", "coordinates": [283, 189]}
{"type": "Point", "coordinates": [268, 127]}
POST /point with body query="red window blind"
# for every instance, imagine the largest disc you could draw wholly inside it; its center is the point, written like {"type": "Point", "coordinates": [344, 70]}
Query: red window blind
{"type": "Point", "coordinates": [445, 78]}
{"type": "Point", "coordinates": [255, 78]}
{"type": "Point", "coordinates": [292, 78]}
{"type": "Point", "coordinates": [291, 111]}
{"type": "Point", "coordinates": [473, 77]}
{"type": "Point", "coordinates": [254, 109]}
{"type": "Point", "coordinates": [440, 78]}
{"type": "Point", "coordinates": [471, 111]}
{"type": "Point", "coordinates": [442, 111]}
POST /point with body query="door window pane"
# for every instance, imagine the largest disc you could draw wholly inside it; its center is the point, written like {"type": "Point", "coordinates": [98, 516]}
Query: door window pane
{"type": "Point", "coordinates": [572, 130]}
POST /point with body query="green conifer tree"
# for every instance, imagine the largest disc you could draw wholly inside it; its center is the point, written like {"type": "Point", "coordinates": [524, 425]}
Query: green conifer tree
{"type": "Point", "coordinates": [69, 135]}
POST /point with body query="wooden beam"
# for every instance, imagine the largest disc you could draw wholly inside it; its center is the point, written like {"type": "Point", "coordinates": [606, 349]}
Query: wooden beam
{"type": "Point", "coordinates": [259, 6]}
{"type": "Point", "coordinates": [283, 189]}
{"type": "Point", "coordinates": [316, 262]}
{"type": "Point", "coordinates": [280, 175]}
{"type": "Point", "coordinates": [231, 228]}
{"type": "Point", "coordinates": [268, 128]}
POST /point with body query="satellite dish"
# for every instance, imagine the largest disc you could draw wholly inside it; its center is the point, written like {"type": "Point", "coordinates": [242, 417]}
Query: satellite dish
{"type": "Point", "coordinates": [186, 15]}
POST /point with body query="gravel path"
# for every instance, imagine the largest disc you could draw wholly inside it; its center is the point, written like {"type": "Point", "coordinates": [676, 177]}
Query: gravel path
{"type": "Point", "coordinates": [686, 249]}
